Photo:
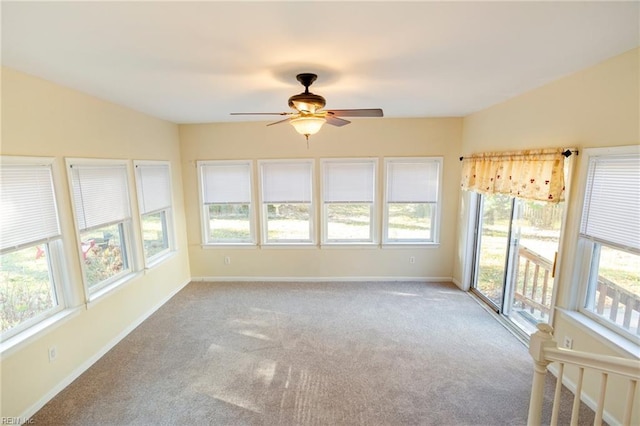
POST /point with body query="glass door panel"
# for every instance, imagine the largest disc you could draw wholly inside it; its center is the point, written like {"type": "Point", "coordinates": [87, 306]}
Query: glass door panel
{"type": "Point", "coordinates": [494, 222]}
{"type": "Point", "coordinates": [536, 235]}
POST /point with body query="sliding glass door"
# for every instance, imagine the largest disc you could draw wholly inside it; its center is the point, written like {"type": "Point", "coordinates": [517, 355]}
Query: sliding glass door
{"type": "Point", "coordinates": [516, 246]}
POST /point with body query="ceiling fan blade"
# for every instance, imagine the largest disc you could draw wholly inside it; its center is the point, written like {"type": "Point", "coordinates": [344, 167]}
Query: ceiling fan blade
{"type": "Point", "coordinates": [366, 112]}
{"type": "Point", "coordinates": [260, 113]}
{"type": "Point", "coordinates": [278, 122]}
{"type": "Point", "coordinates": [335, 121]}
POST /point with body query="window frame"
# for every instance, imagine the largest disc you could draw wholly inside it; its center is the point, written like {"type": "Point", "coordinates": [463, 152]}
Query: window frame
{"type": "Point", "coordinates": [264, 206]}
{"type": "Point", "coordinates": [436, 211]}
{"type": "Point", "coordinates": [204, 208]}
{"type": "Point", "coordinates": [167, 211]}
{"type": "Point", "coordinates": [588, 248]}
{"type": "Point", "coordinates": [126, 226]}
{"type": "Point", "coordinates": [55, 252]}
{"type": "Point", "coordinates": [373, 215]}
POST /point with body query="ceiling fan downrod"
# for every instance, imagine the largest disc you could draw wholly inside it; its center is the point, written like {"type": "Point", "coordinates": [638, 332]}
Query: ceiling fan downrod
{"type": "Point", "coordinates": [306, 79]}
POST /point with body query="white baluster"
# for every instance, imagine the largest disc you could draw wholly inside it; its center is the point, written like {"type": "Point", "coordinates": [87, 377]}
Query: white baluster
{"type": "Point", "coordinates": [600, 407]}
{"type": "Point", "coordinates": [631, 393]}
{"type": "Point", "coordinates": [576, 398]}
{"type": "Point", "coordinates": [556, 397]}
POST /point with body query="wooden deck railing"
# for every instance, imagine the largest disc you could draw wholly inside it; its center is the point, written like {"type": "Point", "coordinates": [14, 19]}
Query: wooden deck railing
{"type": "Point", "coordinates": [544, 350]}
{"type": "Point", "coordinates": [618, 296]}
{"type": "Point", "coordinates": [534, 289]}
{"type": "Point", "coordinates": [534, 293]}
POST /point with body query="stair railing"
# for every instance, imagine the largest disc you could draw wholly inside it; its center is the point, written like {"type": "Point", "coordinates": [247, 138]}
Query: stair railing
{"type": "Point", "coordinates": [544, 350]}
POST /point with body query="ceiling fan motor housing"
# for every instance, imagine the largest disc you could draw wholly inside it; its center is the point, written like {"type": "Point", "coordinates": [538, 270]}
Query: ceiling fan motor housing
{"type": "Point", "coordinates": [307, 102]}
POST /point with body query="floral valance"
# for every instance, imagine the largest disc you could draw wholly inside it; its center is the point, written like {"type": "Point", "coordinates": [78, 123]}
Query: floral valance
{"type": "Point", "coordinates": [532, 175]}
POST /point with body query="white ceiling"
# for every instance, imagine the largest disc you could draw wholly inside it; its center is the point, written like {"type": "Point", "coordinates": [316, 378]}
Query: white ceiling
{"type": "Point", "coordinates": [191, 62]}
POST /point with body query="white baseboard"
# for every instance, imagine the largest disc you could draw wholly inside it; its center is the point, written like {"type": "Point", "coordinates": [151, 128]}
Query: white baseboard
{"type": "Point", "coordinates": [320, 279]}
{"type": "Point", "coordinates": [89, 362]}
{"type": "Point", "coordinates": [457, 283]}
{"type": "Point", "coordinates": [589, 402]}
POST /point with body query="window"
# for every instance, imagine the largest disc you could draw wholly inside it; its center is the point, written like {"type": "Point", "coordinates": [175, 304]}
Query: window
{"type": "Point", "coordinates": [610, 240]}
{"type": "Point", "coordinates": [30, 247]}
{"type": "Point", "coordinates": [225, 191]}
{"type": "Point", "coordinates": [412, 200]}
{"type": "Point", "coordinates": [153, 180]}
{"type": "Point", "coordinates": [103, 219]}
{"type": "Point", "coordinates": [348, 196]}
{"type": "Point", "coordinates": [287, 207]}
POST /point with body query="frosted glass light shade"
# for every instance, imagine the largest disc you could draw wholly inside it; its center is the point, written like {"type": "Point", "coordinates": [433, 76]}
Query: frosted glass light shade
{"type": "Point", "coordinates": [308, 125]}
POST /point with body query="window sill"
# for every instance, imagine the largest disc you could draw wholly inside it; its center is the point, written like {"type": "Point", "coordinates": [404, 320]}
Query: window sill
{"type": "Point", "coordinates": [109, 289]}
{"type": "Point", "coordinates": [160, 259]}
{"type": "Point", "coordinates": [289, 246]}
{"type": "Point", "coordinates": [15, 343]}
{"type": "Point", "coordinates": [621, 345]}
{"type": "Point", "coordinates": [410, 244]}
{"type": "Point", "coordinates": [229, 245]}
{"type": "Point", "coordinates": [348, 245]}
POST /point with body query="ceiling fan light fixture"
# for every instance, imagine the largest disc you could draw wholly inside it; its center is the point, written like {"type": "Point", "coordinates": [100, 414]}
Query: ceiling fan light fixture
{"type": "Point", "coordinates": [308, 126]}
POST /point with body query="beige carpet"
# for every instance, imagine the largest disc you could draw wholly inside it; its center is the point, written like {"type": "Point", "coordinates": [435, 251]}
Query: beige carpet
{"type": "Point", "coordinates": [392, 353]}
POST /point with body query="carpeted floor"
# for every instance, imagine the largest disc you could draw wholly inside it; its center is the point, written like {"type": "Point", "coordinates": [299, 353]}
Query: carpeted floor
{"type": "Point", "coordinates": [392, 353]}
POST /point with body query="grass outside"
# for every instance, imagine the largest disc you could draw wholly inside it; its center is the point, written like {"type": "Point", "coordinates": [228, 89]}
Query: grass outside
{"type": "Point", "coordinates": [102, 253]}
{"type": "Point", "coordinates": [229, 222]}
{"type": "Point", "coordinates": [491, 266]}
{"type": "Point", "coordinates": [154, 238]}
{"type": "Point", "coordinates": [345, 221]}
{"type": "Point", "coordinates": [410, 221]}
{"type": "Point", "coordinates": [25, 287]}
{"type": "Point", "coordinates": [349, 221]}
{"type": "Point", "coordinates": [620, 267]}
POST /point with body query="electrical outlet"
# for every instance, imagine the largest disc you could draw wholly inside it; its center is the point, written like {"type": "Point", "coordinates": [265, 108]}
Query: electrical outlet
{"type": "Point", "coordinates": [53, 353]}
{"type": "Point", "coordinates": [412, 259]}
{"type": "Point", "coordinates": [567, 342]}
{"type": "Point", "coordinates": [227, 260]}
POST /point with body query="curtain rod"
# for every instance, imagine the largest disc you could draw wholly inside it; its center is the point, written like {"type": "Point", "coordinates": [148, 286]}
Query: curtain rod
{"type": "Point", "coordinates": [566, 153]}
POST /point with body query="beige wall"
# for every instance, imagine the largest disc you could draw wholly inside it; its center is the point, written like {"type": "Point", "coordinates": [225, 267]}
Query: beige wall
{"type": "Point", "coordinates": [597, 107]}
{"type": "Point", "coordinates": [42, 119]}
{"type": "Point", "coordinates": [363, 138]}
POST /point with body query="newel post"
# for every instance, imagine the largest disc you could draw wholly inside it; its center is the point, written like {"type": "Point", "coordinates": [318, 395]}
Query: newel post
{"type": "Point", "coordinates": [540, 340]}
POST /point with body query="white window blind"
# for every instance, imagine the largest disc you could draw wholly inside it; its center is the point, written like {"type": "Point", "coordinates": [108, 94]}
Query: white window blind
{"type": "Point", "coordinates": [100, 194]}
{"type": "Point", "coordinates": [154, 187]}
{"type": "Point", "coordinates": [226, 183]}
{"type": "Point", "coordinates": [345, 182]}
{"type": "Point", "coordinates": [412, 181]}
{"type": "Point", "coordinates": [611, 210]}
{"type": "Point", "coordinates": [28, 208]}
{"type": "Point", "coordinates": [286, 182]}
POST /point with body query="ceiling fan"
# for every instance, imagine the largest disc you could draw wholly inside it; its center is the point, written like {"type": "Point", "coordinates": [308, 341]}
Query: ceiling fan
{"type": "Point", "coordinates": [308, 116]}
